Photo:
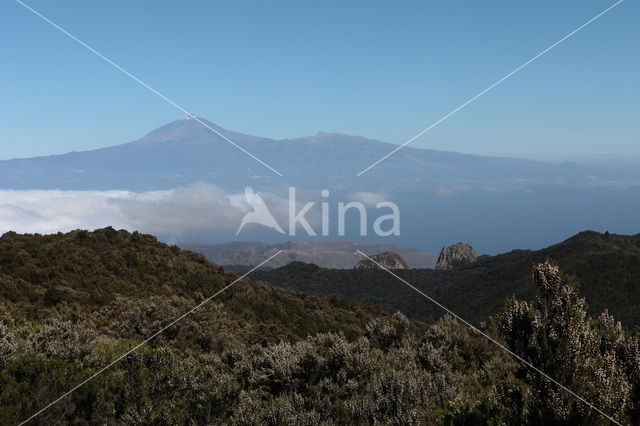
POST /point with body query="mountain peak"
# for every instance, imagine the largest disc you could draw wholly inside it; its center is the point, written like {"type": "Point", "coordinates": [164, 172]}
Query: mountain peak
{"type": "Point", "coordinates": [189, 117]}
{"type": "Point", "coordinates": [193, 128]}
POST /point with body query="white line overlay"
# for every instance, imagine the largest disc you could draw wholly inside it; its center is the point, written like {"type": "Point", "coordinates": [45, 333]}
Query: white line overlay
{"type": "Point", "coordinates": [145, 85]}
{"type": "Point", "coordinates": [490, 87]}
{"type": "Point", "coordinates": [147, 340]}
{"type": "Point", "coordinates": [491, 339]}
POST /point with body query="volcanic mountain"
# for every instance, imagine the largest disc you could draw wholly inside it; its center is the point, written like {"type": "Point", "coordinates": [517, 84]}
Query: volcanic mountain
{"type": "Point", "coordinates": [184, 151]}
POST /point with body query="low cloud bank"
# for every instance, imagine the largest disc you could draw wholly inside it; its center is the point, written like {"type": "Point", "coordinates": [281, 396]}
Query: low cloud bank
{"type": "Point", "coordinates": [170, 212]}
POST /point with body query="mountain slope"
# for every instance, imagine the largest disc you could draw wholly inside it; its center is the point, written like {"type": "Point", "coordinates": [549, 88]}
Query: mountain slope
{"type": "Point", "coordinates": [111, 275]}
{"type": "Point", "coordinates": [75, 308]}
{"type": "Point", "coordinates": [607, 267]}
{"type": "Point", "coordinates": [183, 152]}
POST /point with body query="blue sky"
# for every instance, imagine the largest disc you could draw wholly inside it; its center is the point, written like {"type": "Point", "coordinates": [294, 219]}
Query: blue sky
{"type": "Point", "coordinates": [288, 69]}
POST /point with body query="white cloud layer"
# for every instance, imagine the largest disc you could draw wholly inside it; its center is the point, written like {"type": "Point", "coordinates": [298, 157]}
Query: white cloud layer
{"type": "Point", "coordinates": [170, 212]}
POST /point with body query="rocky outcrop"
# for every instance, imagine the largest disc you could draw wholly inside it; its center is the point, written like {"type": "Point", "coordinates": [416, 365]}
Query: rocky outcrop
{"type": "Point", "coordinates": [388, 259]}
{"type": "Point", "coordinates": [456, 256]}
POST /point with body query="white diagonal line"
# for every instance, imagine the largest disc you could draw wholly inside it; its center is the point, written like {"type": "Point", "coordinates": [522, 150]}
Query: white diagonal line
{"type": "Point", "coordinates": [490, 87]}
{"type": "Point", "coordinates": [145, 85]}
{"type": "Point", "coordinates": [146, 340]}
{"type": "Point", "coordinates": [491, 339]}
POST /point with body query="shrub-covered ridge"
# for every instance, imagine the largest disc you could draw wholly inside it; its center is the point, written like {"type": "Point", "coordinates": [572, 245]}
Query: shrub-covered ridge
{"type": "Point", "coordinates": [260, 355]}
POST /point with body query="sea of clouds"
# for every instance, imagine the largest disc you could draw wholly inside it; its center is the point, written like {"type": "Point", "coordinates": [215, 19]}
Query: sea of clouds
{"type": "Point", "coordinates": [201, 206]}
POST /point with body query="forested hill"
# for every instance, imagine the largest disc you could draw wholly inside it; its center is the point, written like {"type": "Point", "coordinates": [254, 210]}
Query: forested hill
{"type": "Point", "coordinates": [607, 267]}
{"type": "Point", "coordinates": [76, 310]}
{"type": "Point", "coordinates": [112, 276]}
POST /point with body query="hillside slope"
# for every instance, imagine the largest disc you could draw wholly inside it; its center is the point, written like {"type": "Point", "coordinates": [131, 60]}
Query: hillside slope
{"type": "Point", "coordinates": [76, 310]}
{"type": "Point", "coordinates": [109, 275]}
{"type": "Point", "coordinates": [606, 265]}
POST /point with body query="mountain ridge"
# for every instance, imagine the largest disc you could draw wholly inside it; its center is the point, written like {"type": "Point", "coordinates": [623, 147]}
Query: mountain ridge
{"type": "Point", "coordinates": [96, 272]}
{"type": "Point", "coordinates": [605, 265]}
{"type": "Point", "coordinates": [93, 330]}
{"type": "Point", "coordinates": [184, 151]}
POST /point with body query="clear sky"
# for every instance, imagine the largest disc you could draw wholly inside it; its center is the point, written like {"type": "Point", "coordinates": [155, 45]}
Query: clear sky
{"type": "Point", "coordinates": [384, 70]}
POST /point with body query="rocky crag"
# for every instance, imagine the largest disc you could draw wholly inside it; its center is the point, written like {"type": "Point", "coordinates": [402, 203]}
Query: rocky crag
{"type": "Point", "coordinates": [456, 256]}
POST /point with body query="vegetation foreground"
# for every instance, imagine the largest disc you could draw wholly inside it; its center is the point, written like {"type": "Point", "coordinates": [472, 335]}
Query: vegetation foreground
{"type": "Point", "coordinates": [72, 303]}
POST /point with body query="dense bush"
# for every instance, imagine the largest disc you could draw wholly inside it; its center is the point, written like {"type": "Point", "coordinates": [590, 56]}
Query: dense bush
{"type": "Point", "coordinates": [390, 375]}
{"type": "Point", "coordinates": [594, 358]}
